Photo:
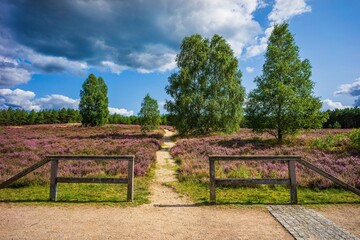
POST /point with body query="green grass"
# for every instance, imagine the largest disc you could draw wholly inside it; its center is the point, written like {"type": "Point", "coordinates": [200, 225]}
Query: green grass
{"type": "Point", "coordinates": [263, 194]}
{"type": "Point", "coordinates": [105, 194]}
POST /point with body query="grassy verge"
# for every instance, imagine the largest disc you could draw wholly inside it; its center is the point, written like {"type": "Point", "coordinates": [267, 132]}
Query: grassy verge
{"type": "Point", "coordinates": [105, 194]}
{"type": "Point", "coordinates": [264, 194]}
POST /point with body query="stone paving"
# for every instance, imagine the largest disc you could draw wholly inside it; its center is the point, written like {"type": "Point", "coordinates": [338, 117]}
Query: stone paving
{"type": "Point", "coordinates": [304, 223]}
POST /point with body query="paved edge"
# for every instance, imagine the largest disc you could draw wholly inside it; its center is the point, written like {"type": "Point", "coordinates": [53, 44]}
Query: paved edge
{"type": "Point", "coordinates": [303, 223]}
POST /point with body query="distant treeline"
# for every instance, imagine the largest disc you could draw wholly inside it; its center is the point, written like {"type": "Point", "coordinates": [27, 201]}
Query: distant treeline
{"type": "Point", "coordinates": [343, 118]}
{"type": "Point", "coordinates": [17, 117]}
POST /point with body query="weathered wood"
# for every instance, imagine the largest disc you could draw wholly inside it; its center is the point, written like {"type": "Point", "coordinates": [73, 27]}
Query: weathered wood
{"type": "Point", "coordinates": [91, 180]}
{"type": "Point", "coordinates": [24, 172]}
{"type": "Point", "coordinates": [292, 179]}
{"type": "Point", "coordinates": [212, 181]}
{"type": "Point", "coordinates": [53, 180]}
{"type": "Point", "coordinates": [332, 178]}
{"type": "Point", "coordinates": [130, 183]}
{"type": "Point", "coordinates": [248, 181]}
{"type": "Point", "coordinates": [252, 158]}
{"type": "Point", "coordinates": [92, 157]}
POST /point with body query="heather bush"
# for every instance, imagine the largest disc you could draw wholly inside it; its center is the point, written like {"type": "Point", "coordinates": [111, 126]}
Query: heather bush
{"type": "Point", "coordinates": [20, 147]}
{"type": "Point", "coordinates": [333, 157]}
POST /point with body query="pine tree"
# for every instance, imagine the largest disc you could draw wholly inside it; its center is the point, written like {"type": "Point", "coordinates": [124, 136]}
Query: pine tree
{"type": "Point", "coordinates": [94, 102]}
{"type": "Point", "coordinates": [283, 101]}
{"type": "Point", "coordinates": [149, 115]}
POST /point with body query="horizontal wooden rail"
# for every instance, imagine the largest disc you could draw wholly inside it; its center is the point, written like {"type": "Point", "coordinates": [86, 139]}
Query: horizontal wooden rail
{"type": "Point", "coordinates": [254, 157]}
{"type": "Point", "coordinates": [328, 176]}
{"type": "Point", "coordinates": [247, 181]}
{"type": "Point", "coordinates": [91, 180]}
{"type": "Point", "coordinates": [90, 157]}
{"type": "Point", "coordinates": [23, 173]}
{"type": "Point", "coordinates": [291, 181]}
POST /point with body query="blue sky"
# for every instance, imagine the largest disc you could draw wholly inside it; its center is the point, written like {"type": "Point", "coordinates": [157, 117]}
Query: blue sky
{"type": "Point", "coordinates": [48, 48]}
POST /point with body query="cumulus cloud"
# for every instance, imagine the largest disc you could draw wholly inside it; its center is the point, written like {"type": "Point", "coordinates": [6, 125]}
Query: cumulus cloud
{"type": "Point", "coordinates": [121, 111]}
{"type": "Point", "coordinates": [352, 89]}
{"type": "Point", "coordinates": [11, 73]}
{"type": "Point", "coordinates": [56, 101]}
{"type": "Point", "coordinates": [283, 10]}
{"type": "Point", "coordinates": [329, 104]}
{"type": "Point", "coordinates": [27, 100]}
{"type": "Point", "coordinates": [249, 69]}
{"type": "Point", "coordinates": [117, 35]}
{"type": "Point", "coordinates": [18, 99]}
{"type": "Point", "coordinates": [286, 9]}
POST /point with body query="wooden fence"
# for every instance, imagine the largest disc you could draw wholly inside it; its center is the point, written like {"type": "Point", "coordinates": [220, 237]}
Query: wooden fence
{"type": "Point", "coordinates": [291, 181]}
{"type": "Point", "coordinates": [54, 179]}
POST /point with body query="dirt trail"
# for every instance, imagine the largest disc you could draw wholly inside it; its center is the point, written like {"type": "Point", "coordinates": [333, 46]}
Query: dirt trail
{"type": "Point", "coordinates": [169, 216]}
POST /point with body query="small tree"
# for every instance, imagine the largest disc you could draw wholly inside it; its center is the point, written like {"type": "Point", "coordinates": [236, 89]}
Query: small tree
{"type": "Point", "coordinates": [283, 101]}
{"type": "Point", "coordinates": [94, 102]}
{"type": "Point", "coordinates": [207, 92]}
{"type": "Point", "coordinates": [149, 115]}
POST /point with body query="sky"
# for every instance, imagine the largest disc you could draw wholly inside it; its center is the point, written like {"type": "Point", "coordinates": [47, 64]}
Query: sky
{"type": "Point", "coordinates": [49, 47]}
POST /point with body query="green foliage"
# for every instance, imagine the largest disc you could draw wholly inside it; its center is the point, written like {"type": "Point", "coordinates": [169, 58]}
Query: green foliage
{"type": "Point", "coordinates": [207, 92]}
{"type": "Point", "coordinates": [283, 101]}
{"type": "Point", "coordinates": [11, 117]}
{"type": "Point", "coordinates": [338, 142]}
{"type": "Point", "coordinates": [94, 102]}
{"type": "Point", "coordinates": [149, 115]}
{"type": "Point", "coordinates": [355, 139]}
{"type": "Point", "coordinates": [347, 118]}
{"type": "Point", "coordinates": [330, 142]}
{"type": "Point", "coordinates": [336, 125]}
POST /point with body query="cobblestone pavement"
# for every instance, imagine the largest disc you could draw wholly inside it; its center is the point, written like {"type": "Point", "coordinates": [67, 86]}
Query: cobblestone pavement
{"type": "Point", "coordinates": [304, 223]}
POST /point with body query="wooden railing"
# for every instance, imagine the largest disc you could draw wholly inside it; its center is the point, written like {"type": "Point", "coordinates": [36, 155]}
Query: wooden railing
{"type": "Point", "coordinates": [291, 181]}
{"type": "Point", "coordinates": [54, 179]}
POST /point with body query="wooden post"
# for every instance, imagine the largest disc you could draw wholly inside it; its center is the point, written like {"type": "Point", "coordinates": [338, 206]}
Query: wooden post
{"type": "Point", "coordinates": [212, 180]}
{"type": "Point", "coordinates": [53, 180]}
{"type": "Point", "coordinates": [130, 187]}
{"type": "Point", "coordinates": [292, 178]}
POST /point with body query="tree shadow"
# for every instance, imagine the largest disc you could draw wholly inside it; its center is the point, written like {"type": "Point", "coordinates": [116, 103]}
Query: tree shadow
{"type": "Point", "coordinates": [119, 136]}
{"type": "Point", "coordinates": [253, 143]}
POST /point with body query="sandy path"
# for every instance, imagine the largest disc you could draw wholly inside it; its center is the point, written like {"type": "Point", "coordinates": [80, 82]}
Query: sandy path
{"type": "Point", "coordinates": [169, 216]}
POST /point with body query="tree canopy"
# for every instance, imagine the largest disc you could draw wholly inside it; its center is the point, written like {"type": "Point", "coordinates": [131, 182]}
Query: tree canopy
{"type": "Point", "coordinates": [93, 105]}
{"type": "Point", "coordinates": [283, 101]}
{"type": "Point", "coordinates": [206, 91]}
{"type": "Point", "coordinates": [149, 115]}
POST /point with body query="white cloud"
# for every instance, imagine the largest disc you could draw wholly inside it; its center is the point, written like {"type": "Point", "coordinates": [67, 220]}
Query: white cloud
{"type": "Point", "coordinates": [352, 89]}
{"type": "Point", "coordinates": [285, 9]}
{"type": "Point", "coordinates": [249, 69]}
{"type": "Point", "coordinates": [121, 111]}
{"type": "Point", "coordinates": [50, 64]}
{"type": "Point", "coordinates": [113, 67]}
{"type": "Point", "coordinates": [11, 73]}
{"type": "Point", "coordinates": [231, 19]}
{"type": "Point", "coordinates": [18, 98]}
{"type": "Point", "coordinates": [56, 101]}
{"type": "Point", "coordinates": [329, 104]}
{"type": "Point", "coordinates": [26, 100]}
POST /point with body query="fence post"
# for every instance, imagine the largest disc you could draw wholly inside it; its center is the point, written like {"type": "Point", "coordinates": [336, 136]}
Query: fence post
{"type": "Point", "coordinates": [292, 178]}
{"type": "Point", "coordinates": [212, 180]}
{"type": "Point", "coordinates": [53, 180]}
{"type": "Point", "coordinates": [130, 187]}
